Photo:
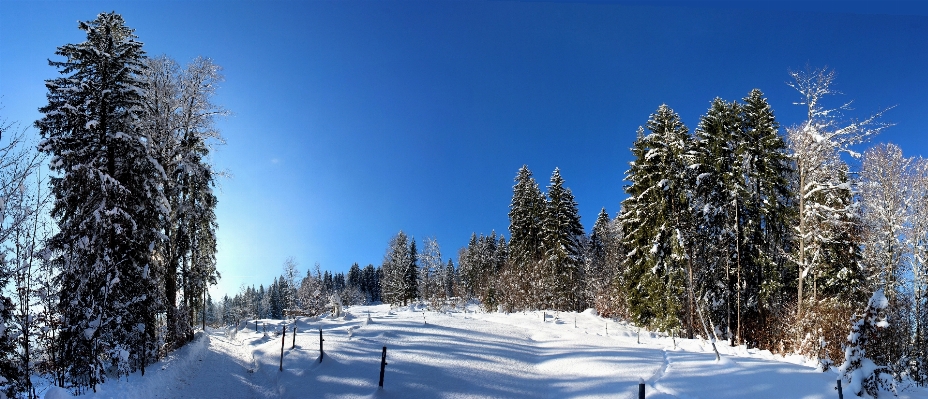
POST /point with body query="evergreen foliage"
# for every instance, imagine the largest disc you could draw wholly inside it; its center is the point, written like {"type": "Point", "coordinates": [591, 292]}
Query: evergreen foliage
{"type": "Point", "coordinates": [657, 222]}
{"type": "Point", "coordinates": [563, 255]}
{"type": "Point", "coordinates": [862, 374]}
{"type": "Point", "coordinates": [107, 202]}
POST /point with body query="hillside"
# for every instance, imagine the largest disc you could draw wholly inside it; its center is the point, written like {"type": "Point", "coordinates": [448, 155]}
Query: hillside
{"type": "Point", "coordinates": [467, 355]}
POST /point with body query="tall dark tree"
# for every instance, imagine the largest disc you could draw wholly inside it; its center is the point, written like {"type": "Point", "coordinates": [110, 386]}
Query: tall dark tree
{"type": "Point", "coordinates": [394, 266]}
{"type": "Point", "coordinates": [526, 217]}
{"type": "Point", "coordinates": [107, 202]}
{"type": "Point", "coordinates": [448, 279]}
{"type": "Point", "coordinates": [720, 207]}
{"type": "Point", "coordinates": [770, 200]}
{"type": "Point", "coordinates": [563, 255]}
{"type": "Point", "coordinates": [411, 273]}
{"type": "Point", "coordinates": [658, 226]}
{"type": "Point", "coordinates": [596, 251]}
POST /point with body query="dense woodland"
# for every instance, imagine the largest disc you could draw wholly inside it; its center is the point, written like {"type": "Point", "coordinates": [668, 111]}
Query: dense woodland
{"type": "Point", "coordinates": [738, 231]}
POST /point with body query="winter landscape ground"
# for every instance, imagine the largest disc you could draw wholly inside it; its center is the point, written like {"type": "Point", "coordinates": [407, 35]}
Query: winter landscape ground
{"type": "Point", "coordinates": [468, 354]}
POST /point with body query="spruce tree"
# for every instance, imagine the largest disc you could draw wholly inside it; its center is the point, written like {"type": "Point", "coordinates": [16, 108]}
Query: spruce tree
{"type": "Point", "coordinates": [657, 222]}
{"type": "Point", "coordinates": [107, 202]}
{"type": "Point", "coordinates": [563, 257]}
{"type": "Point", "coordinates": [526, 218]}
{"type": "Point", "coordinates": [394, 266]}
{"type": "Point", "coordinates": [771, 207]}
{"type": "Point", "coordinates": [411, 273]}
{"type": "Point", "coordinates": [448, 280]}
{"type": "Point", "coordinates": [354, 276]}
{"type": "Point", "coordinates": [597, 276]}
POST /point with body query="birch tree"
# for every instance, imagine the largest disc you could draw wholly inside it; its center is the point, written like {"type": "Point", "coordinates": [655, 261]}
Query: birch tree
{"type": "Point", "coordinates": [23, 207]}
{"type": "Point", "coordinates": [822, 178]}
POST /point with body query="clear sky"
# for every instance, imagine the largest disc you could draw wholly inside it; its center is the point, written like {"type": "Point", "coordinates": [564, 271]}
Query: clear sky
{"type": "Point", "coordinates": [354, 120]}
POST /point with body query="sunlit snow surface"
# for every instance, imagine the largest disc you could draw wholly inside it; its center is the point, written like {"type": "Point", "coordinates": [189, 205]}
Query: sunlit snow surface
{"type": "Point", "coordinates": [468, 355]}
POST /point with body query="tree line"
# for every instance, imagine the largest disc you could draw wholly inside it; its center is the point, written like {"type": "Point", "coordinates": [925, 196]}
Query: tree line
{"type": "Point", "coordinates": [313, 294]}
{"type": "Point", "coordinates": [735, 231]}
{"type": "Point", "coordinates": [105, 263]}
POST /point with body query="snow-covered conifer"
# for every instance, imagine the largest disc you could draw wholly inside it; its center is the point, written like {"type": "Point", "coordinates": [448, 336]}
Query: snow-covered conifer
{"type": "Point", "coordinates": [657, 223]}
{"type": "Point", "coordinates": [560, 239]}
{"type": "Point", "coordinates": [863, 376]}
{"type": "Point", "coordinates": [108, 204]}
{"type": "Point", "coordinates": [394, 266]}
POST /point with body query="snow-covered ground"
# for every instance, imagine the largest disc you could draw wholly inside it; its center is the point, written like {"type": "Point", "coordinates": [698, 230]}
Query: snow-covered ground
{"type": "Point", "coordinates": [467, 355]}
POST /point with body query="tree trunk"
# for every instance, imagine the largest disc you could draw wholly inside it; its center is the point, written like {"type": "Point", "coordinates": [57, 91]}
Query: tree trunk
{"type": "Point", "coordinates": [738, 274]}
{"type": "Point", "coordinates": [802, 240]}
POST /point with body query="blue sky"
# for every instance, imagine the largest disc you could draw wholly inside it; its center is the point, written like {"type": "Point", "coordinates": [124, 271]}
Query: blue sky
{"type": "Point", "coordinates": [354, 120]}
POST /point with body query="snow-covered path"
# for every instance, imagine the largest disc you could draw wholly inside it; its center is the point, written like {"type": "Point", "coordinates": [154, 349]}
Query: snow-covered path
{"type": "Point", "coordinates": [472, 355]}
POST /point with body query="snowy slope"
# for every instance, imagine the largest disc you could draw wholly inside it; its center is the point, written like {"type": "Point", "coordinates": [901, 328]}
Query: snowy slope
{"type": "Point", "coordinates": [468, 355]}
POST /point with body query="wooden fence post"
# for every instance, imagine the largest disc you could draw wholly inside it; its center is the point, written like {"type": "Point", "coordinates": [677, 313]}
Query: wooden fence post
{"type": "Point", "coordinates": [282, 341]}
{"type": "Point", "coordinates": [640, 389]}
{"type": "Point", "coordinates": [293, 344]}
{"type": "Point", "coordinates": [840, 393]}
{"type": "Point", "coordinates": [383, 363]}
{"type": "Point", "coordinates": [321, 353]}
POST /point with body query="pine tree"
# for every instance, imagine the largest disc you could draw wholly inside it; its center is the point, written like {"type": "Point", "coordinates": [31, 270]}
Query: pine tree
{"type": "Point", "coordinates": [721, 206]}
{"type": "Point", "coordinates": [394, 266]}
{"type": "Point", "coordinates": [107, 202]}
{"type": "Point", "coordinates": [354, 275]}
{"type": "Point", "coordinates": [411, 273]}
{"type": "Point", "coordinates": [560, 240]}
{"type": "Point", "coordinates": [657, 224]}
{"type": "Point", "coordinates": [598, 278]}
{"type": "Point", "coordinates": [770, 215]}
{"type": "Point", "coordinates": [276, 306]}
{"type": "Point", "coordinates": [861, 373]}
{"type": "Point", "coordinates": [526, 218]}
{"type": "Point", "coordinates": [370, 285]}
{"type": "Point", "coordinates": [448, 279]}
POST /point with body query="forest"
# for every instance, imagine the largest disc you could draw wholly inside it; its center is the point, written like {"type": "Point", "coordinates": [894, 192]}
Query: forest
{"type": "Point", "coordinates": [738, 231]}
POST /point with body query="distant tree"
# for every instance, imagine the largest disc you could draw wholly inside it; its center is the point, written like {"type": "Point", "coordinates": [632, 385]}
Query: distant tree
{"type": "Point", "coordinates": [563, 256]}
{"type": "Point", "coordinates": [449, 279]}
{"type": "Point", "coordinates": [354, 276]}
{"type": "Point", "coordinates": [411, 273]}
{"type": "Point", "coordinates": [526, 215]}
{"type": "Point", "coordinates": [290, 275]}
{"type": "Point", "coordinates": [596, 271]}
{"type": "Point", "coordinates": [430, 265]}
{"type": "Point", "coordinates": [394, 266]}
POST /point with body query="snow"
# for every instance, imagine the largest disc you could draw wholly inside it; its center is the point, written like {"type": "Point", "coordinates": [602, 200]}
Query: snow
{"type": "Point", "coordinates": [466, 355]}
{"type": "Point", "coordinates": [878, 300]}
